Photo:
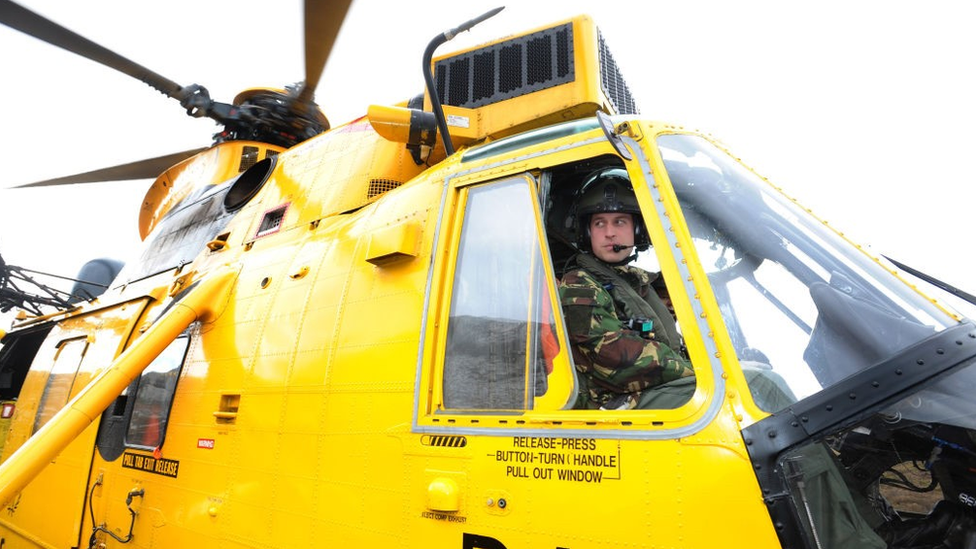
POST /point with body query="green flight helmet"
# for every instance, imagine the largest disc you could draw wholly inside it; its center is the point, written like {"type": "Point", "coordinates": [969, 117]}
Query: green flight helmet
{"type": "Point", "coordinates": [608, 190]}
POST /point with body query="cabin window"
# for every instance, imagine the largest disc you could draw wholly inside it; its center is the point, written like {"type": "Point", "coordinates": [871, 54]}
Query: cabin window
{"type": "Point", "coordinates": [501, 333]}
{"type": "Point", "coordinates": [17, 352]}
{"type": "Point", "coordinates": [60, 381]}
{"type": "Point", "coordinates": [154, 395]}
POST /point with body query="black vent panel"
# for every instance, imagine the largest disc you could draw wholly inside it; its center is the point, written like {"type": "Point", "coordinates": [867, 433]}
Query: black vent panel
{"type": "Point", "coordinates": [613, 82]}
{"type": "Point", "coordinates": [508, 69]}
{"type": "Point", "coordinates": [249, 157]}
{"type": "Point", "coordinates": [271, 223]}
{"type": "Point", "coordinates": [380, 186]}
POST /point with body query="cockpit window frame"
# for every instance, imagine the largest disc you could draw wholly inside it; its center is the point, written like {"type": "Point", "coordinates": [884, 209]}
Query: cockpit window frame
{"type": "Point", "coordinates": [560, 382]}
{"type": "Point", "coordinates": [657, 424]}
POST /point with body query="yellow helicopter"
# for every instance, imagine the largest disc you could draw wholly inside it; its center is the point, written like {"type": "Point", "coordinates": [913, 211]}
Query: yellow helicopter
{"type": "Point", "coordinates": [347, 333]}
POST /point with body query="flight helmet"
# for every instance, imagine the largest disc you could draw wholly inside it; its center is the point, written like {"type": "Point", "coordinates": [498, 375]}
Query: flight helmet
{"type": "Point", "coordinates": [608, 190]}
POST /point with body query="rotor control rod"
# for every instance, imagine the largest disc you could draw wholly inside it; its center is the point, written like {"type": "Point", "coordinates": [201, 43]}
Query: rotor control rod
{"type": "Point", "coordinates": [448, 35]}
{"type": "Point", "coordinates": [429, 75]}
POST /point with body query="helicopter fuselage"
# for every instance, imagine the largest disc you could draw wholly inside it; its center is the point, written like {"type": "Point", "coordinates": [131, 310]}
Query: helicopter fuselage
{"type": "Point", "coordinates": [352, 341]}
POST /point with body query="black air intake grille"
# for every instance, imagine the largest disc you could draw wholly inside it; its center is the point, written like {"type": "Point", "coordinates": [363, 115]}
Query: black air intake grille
{"type": "Point", "coordinates": [613, 82]}
{"type": "Point", "coordinates": [249, 157]}
{"type": "Point", "coordinates": [508, 69]}
{"type": "Point", "coordinates": [380, 186]}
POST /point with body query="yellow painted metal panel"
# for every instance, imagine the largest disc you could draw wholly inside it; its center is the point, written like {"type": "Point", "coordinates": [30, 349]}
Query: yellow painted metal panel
{"type": "Point", "coordinates": [66, 472]}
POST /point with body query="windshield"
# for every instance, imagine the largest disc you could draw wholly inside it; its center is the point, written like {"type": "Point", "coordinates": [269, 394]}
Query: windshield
{"type": "Point", "coordinates": [801, 303]}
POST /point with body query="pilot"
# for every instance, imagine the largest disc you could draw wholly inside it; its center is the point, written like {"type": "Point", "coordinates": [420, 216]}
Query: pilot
{"type": "Point", "coordinates": [623, 336]}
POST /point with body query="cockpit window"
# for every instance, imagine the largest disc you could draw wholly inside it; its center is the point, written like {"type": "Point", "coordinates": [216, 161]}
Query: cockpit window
{"type": "Point", "coordinates": [802, 305]}
{"type": "Point", "coordinates": [501, 334]}
{"type": "Point", "coordinates": [879, 450]}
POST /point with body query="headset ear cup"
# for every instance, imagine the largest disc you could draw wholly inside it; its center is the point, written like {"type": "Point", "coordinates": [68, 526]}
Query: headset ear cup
{"type": "Point", "coordinates": [583, 241]}
{"type": "Point", "coordinates": [641, 240]}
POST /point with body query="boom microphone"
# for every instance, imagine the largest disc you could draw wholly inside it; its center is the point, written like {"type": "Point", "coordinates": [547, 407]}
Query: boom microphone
{"type": "Point", "coordinates": [617, 247]}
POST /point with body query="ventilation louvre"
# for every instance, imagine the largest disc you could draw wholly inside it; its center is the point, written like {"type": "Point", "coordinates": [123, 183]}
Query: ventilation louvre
{"type": "Point", "coordinates": [271, 222]}
{"type": "Point", "coordinates": [544, 76]}
{"type": "Point", "coordinates": [508, 69]}
{"type": "Point", "coordinates": [249, 157]}
{"type": "Point", "coordinates": [381, 186]}
{"type": "Point", "coordinates": [613, 82]}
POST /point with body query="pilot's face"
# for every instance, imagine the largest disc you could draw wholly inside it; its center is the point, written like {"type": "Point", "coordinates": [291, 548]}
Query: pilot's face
{"type": "Point", "coordinates": [607, 229]}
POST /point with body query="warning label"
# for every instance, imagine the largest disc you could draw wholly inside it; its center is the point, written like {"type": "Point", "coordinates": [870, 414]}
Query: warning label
{"type": "Point", "coordinates": [443, 516]}
{"type": "Point", "coordinates": [560, 459]}
{"type": "Point", "coordinates": [165, 467]}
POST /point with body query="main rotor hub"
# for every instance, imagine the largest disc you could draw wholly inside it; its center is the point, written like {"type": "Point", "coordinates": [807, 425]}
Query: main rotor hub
{"type": "Point", "coordinates": [273, 116]}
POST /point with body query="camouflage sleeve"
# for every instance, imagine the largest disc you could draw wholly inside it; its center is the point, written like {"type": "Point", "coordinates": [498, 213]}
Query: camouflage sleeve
{"type": "Point", "coordinates": [619, 360]}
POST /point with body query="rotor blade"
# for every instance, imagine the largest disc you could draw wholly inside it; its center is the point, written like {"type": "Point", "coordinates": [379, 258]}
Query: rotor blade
{"type": "Point", "coordinates": [149, 168]}
{"type": "Point", "coordinates": [323, 18]}
{"type": "Point", "coordinates": [32, 24]}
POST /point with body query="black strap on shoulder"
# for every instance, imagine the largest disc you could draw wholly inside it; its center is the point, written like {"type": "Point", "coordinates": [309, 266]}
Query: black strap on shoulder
{"type": "Point", "coordinates": [632, 304]}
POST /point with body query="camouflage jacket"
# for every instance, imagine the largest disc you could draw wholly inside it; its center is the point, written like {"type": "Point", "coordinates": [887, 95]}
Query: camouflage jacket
{"type": "Point", "coordinates": [617, 363]}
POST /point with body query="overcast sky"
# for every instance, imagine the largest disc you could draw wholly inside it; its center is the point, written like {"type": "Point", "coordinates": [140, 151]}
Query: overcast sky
{"type": "Point", "coordinates": [863, 111]}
